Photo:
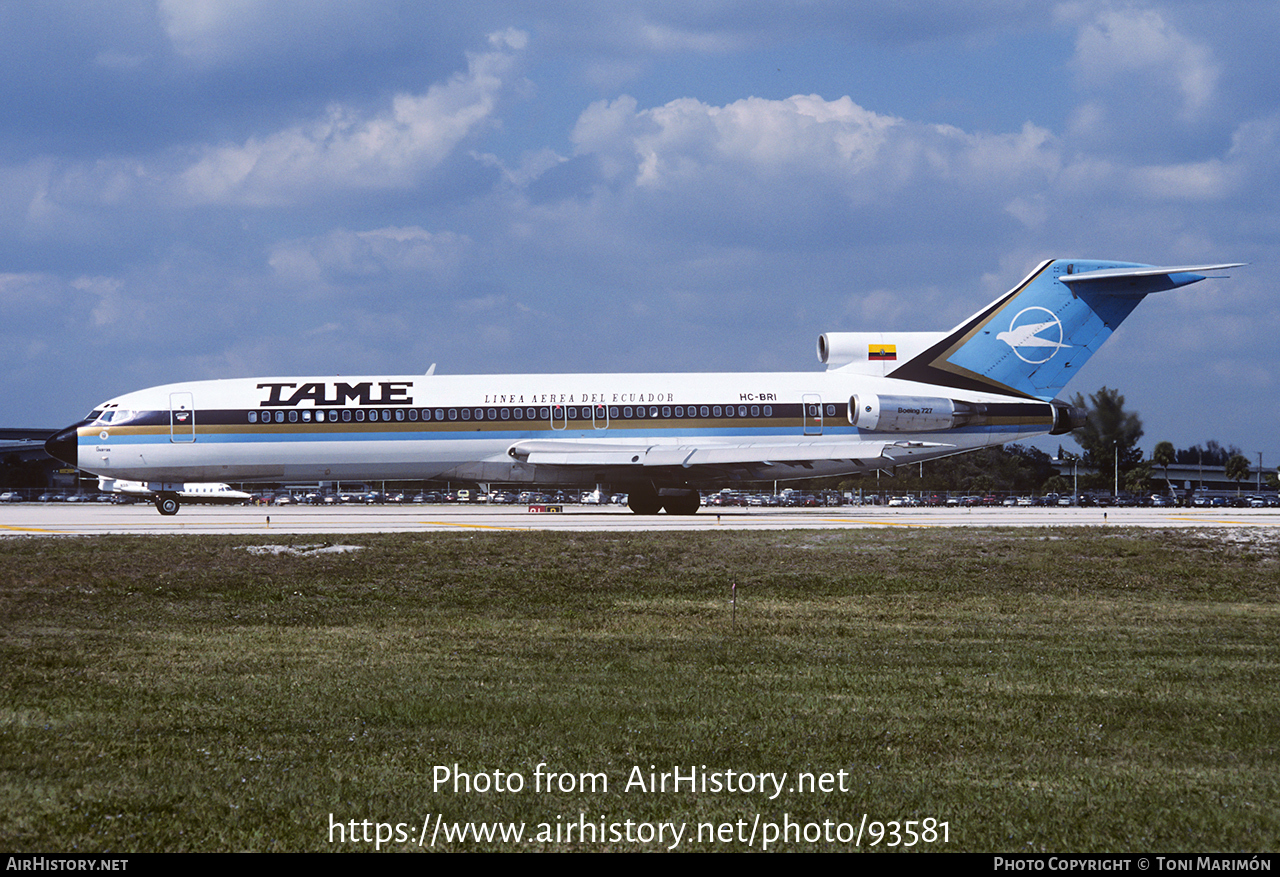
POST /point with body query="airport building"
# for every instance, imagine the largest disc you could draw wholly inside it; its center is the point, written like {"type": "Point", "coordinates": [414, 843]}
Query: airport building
{"type": "Point", "coordinates": [1189, 479]}
{"type": "Point", "coordinates": [24, 465]}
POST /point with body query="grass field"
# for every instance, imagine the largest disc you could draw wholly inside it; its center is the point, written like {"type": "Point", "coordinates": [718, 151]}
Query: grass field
{"type": "Point", "coordinates": [1065, 690]}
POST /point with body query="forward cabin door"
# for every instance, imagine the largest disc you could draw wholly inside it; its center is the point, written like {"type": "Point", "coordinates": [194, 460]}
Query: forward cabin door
{"type": "Point", "coordinates": [182, 418]}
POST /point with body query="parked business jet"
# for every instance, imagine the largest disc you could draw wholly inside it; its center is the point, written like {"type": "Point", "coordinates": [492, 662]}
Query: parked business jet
{"type": "Point", "coordinates": [886, 399]}
{"type": "Point", "coordinates": [211, 493]}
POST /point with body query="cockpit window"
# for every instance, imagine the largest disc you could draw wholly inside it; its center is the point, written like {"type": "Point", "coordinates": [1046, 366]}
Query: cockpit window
{"type": "Point", "coordinates": [113, 415]}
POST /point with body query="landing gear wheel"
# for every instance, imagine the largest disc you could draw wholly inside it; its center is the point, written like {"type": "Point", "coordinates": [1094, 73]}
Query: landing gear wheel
{"type": "Point", "coordinates": [682, 503]}
{"type": "Point", "coordinates": [167, 504]}
{"type": "Point", "coordinates": [644, 500]}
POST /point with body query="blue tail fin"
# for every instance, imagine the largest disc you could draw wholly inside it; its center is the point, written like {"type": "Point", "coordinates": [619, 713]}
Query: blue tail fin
{"type": "Point", "coordinates": [1032, 340]}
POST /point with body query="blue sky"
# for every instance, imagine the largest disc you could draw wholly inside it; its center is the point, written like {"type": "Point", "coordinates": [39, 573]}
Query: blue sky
{"type": "Point", "coordinates": [193, 189]}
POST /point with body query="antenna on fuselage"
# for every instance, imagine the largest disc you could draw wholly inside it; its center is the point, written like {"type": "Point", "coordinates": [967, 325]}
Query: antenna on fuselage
{"type": "Point", "coordinates": [431, 370]}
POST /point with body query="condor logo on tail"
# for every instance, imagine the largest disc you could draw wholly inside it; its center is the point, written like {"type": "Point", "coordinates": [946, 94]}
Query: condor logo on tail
{"type": "Point", "coordinates": [1025, 334]}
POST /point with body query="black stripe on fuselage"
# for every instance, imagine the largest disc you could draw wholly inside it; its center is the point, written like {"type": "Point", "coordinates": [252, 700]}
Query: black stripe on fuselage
{"type": "Point", "coordinates": [484, 417]}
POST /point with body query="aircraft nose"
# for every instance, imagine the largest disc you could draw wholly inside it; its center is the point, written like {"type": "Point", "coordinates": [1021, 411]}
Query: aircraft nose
{"type": "Point", "coordinates": [63, 446]}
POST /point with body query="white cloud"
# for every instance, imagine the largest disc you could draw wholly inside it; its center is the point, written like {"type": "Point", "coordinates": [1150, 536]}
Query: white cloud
{"type": "Point", "coordinates": [666, 38]}
{"type": "Point", "coordinates": [231, 32]}
{"type": "Point", "coordinates": [1192, 181]}
{"type": "Point", "coordinates": [804, 143]}
{"type": "Point", "coordinates": [188, 21]}
{"type": "Point", "coordinates": [111, 307]}
{"type": "Point", "coordinates": [348, 254]}
{"type": "Point", "coordinates": [1248, 162]}
{"type": "Point", "coordinates": [347, 150]}
{"type": "Point", "coordinates": [1119, 43]}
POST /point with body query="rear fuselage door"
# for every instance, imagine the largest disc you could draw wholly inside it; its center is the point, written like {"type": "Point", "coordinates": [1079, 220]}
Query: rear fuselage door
{"type": "Point", "coordinates": [812, 404]}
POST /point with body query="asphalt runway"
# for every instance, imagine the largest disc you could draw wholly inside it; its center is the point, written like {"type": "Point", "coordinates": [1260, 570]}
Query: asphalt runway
{"type": "Point", "coordinates": [59, 519]}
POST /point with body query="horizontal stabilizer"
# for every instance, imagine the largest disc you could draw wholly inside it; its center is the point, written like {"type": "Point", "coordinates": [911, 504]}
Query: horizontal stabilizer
{"type": "Point", "coordinates": [1144, 279]}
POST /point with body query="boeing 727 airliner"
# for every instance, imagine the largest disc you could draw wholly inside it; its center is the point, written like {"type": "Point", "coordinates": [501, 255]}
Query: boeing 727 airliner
{"type": "Point", "coordinates": [885, 399]}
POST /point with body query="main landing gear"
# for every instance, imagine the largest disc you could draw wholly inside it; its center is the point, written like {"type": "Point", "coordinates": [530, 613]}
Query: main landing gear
{"type": "Point", "coordinates": [167, 503]}
{"type": "Point", "coordinates": [645, 500]}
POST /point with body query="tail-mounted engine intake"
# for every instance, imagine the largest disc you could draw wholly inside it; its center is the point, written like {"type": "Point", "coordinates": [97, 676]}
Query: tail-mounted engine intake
{"type": "Point", "coordinates": [872, 352]}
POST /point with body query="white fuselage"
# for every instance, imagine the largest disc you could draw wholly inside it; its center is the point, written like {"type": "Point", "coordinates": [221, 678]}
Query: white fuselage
{"type": "Point", "coordinates": [197, 492]}
{"type": "Point", "coordinates": [465, 428]}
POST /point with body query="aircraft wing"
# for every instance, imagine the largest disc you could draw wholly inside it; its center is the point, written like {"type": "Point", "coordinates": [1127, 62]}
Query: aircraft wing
{"type": "Point", "coordinates": [567, 452]}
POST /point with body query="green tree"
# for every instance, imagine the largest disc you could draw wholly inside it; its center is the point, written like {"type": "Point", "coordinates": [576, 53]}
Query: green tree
{"type": "Point", "coordinates": [1108, 430]}
{"type": "Point", "coordinates": [1237, 470]}
{"type": "Point", "coordinates": [1058, 484]}
{"type": "Point", "coordinates": [1138, 480]}
{"type": "Point", "coordinates": [1164, 456]}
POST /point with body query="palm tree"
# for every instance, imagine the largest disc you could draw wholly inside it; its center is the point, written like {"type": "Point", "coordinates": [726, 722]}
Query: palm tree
{"type": "Point", "coordinates": [1164, 456]}
{"type": "Point", "coordinates": [1237, 470]}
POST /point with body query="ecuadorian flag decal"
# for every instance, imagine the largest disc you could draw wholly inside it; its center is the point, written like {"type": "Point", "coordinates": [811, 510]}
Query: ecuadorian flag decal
{"type": "Point", "coordinates": [882, 352]}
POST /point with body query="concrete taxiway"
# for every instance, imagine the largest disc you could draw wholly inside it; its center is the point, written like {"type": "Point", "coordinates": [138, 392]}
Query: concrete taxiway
{"type": "Point", "coordinates": [57, 519]}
